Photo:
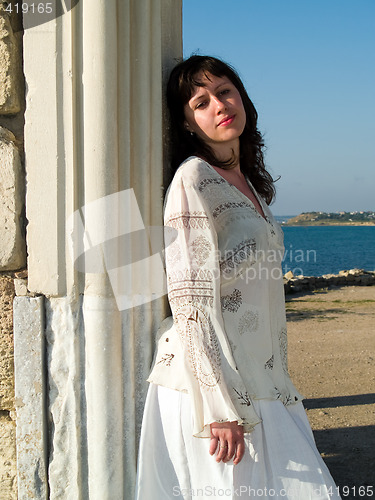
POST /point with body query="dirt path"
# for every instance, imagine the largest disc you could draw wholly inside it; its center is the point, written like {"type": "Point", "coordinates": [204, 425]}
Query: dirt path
{"type": "Point", "coordinates": [332, 363]}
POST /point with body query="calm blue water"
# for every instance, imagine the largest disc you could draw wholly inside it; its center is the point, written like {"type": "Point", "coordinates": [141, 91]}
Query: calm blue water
{"type": "Point", "coordinates": [318, 250]}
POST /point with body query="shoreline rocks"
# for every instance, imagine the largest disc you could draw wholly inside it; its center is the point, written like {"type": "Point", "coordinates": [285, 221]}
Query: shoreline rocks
{"type": "Point", "coordinates": [300, 283]}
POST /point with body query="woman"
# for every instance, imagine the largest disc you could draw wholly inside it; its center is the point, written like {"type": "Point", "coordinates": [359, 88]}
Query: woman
{"type": "Point", "coordinates": [222, 417]}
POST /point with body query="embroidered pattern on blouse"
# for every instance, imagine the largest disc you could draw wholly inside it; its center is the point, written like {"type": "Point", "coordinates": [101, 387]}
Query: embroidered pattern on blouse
{"type": "Point", "coordinates": [271, 225]}
{"type": "Point", "coordinates": [285, 399]}
{"type": "Point", "coordinates": [194, 220]}
{"type": "Point", "coordinates": [283, 341]}
{"type": "Point", "coordinates": [173, 253]}
{"type": "Point", "coordinates": [228, 205]}
{"type": "Point", "coordinates": [207, 182]}
{"type": "Point", "coordinates": [238, 255]}
{"type": "Point", "coordinates": [194, 286]}
{"type": "Point", "coordinates": [249, 322]}
{"type": "Point", "coordinates": [232, 302]}
{"type": "Point", "coordinates": [243, 397]}
{"type": "Point", "coordinates": [201, 248]}
{"type": "Point", "coordinates": [269, 364]}
{"type": "Point", "coordinates": [166, 360]}
{"type": "Point", "coordinates": [196, 330]}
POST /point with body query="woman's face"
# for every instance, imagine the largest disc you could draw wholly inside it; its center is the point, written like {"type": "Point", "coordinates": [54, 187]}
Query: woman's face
{"type": "Point", "coordinates": [215, 113]}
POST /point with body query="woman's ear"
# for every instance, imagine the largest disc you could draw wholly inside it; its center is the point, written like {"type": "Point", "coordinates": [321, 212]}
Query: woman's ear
{"type": "Point", "coordinates": [187, 126]}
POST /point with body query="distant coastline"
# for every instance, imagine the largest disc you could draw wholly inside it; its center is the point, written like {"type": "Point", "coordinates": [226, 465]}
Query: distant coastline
{"type": "Point", "coordinates": [330, 219]}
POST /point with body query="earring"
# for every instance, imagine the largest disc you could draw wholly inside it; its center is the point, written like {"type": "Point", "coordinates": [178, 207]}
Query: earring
{"type": "Point", "coordinates": [192, 134]}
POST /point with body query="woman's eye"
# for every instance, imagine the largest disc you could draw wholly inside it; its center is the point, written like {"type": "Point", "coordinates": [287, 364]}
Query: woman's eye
{"type": "Point", "coordinates": [225, 91]}
{"type": "Point", "coordinates": [200, 105]}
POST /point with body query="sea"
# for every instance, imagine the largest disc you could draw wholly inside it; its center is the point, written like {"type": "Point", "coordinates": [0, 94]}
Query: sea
{"type": "Point", "coordinates": [318, 250]}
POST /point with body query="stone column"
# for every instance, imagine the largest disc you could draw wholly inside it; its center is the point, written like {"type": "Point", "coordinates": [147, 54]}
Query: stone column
{"type": "Point", "coordinates": [93, 132]}
{"type": "Point", "coordinates": [31, 429]}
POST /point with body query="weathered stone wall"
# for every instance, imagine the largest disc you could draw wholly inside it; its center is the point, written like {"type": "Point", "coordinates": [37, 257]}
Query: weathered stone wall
{"type": "Point", "coordinates": [8, 482]}
{"type": "Point", "coordinates": [12, 231]}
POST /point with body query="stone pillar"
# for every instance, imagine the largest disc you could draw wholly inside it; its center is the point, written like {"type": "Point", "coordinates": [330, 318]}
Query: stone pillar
{"type": "Point", "coordinates": [30, 398]}
{"type": "Point", "coordinates": [93, 130]}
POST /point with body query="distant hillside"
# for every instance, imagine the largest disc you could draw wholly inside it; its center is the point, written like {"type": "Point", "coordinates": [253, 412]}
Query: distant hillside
{"type": "Point", "coordinates": [332, 218]}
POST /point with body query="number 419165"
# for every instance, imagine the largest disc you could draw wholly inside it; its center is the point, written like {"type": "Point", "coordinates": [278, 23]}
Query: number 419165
{"type": "Point", "coordinates": [354, 491]}
{"type": "Point", "coordinates": [32, 8]}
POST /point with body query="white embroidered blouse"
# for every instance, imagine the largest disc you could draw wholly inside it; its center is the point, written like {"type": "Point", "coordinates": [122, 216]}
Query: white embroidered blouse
{"type": "Point", "coordinates": [226, 343]}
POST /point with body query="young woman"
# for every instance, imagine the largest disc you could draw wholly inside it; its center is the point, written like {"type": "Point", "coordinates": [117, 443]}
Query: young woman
{"type": "Point", "coordinates": [222, 418]}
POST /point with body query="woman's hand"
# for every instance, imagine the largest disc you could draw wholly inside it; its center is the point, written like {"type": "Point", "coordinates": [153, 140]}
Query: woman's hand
{"type": "Point", "coordinates": [228, 439]}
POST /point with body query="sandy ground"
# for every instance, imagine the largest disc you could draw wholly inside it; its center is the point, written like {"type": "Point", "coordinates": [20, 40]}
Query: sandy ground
{"type": "Point", "coordinates": [332, 363]}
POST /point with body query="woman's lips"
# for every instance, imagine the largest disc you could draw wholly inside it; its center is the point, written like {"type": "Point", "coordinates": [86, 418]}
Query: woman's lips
{"type": "Point", "coordinates": [227, 121]}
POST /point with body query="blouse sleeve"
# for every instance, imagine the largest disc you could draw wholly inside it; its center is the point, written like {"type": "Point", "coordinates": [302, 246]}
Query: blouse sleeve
{"type": "Point", "coordinates": [193, 281]}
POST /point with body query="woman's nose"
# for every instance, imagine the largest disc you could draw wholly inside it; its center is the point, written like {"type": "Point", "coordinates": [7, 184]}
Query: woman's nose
{"type": "Point", "coordinates": [220, 105]}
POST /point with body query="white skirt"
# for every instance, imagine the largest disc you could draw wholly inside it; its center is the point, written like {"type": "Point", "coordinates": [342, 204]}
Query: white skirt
{"type": "Point", "coordinates": [281, 459]}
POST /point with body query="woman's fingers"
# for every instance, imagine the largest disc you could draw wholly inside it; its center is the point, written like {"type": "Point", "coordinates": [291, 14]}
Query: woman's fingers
{"type": "Point", "coordinates": [240, 450]}
{"type": "Point", "coordinates": [230, 451]}
{"type": "Point", "coordinates": [213, 444]}
{"type": "Point", "coordinates": [227, 439]}
{"type": "Point", "coordinates": [223, 450]}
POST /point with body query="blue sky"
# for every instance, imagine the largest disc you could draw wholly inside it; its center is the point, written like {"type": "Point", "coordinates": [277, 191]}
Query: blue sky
{"type": "Point", "coordinates": [309, 67]}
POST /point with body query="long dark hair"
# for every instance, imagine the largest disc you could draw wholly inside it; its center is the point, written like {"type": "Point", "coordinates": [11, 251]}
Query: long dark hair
{"type": "Point", "coordinates": [180, 88]}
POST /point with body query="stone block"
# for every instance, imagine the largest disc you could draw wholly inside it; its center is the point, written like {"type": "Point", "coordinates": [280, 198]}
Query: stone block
{"type": "Point", "coordinates": [30, 398]}
{"type": "Point", "coordinates": [66, 395]}
{"type": "Point", "coordinates": [20, 286]}
{"type": "Point", "coordinates": [12, 242]}
{"type": "Point", "coordinates": [6, 344]}
{"type": "Point", "coordinates": [10, 67]}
